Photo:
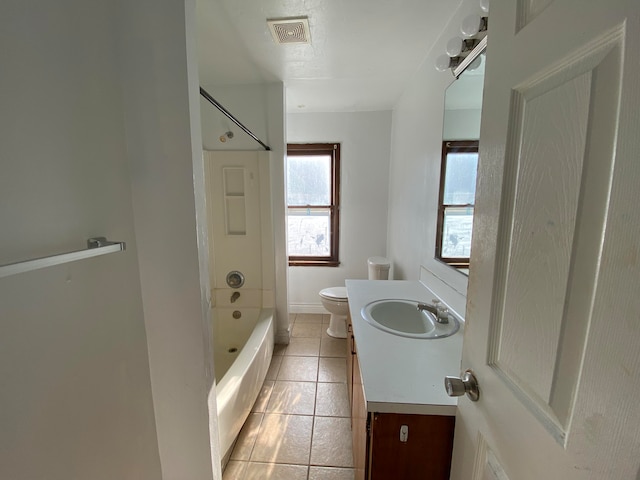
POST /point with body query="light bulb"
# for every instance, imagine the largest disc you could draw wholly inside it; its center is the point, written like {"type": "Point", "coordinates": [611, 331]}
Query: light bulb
{"type": "Point", "coordinates": [470, 26]}
{"type": "Point", "coordinates": [454, 47]}
{"type": "Point", "coordinates": [443, 63]}
{"type": "Point", "coordinates": [475, 64]}
{"type": "Point", "coordinates": [484, 6]}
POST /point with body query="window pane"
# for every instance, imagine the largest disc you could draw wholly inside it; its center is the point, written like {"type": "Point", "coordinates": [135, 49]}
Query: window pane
{"type": "Point", "coordinates": [460, 178]}
{"type": "Point", "coordinates": [456, 232]}
{"type": "Point", "coordinates": [309, 180]}
{"type": "Point", "coordinates": [308, 232]}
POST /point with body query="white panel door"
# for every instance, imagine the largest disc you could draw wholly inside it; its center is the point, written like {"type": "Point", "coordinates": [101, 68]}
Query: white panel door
{"type": "Point", "coordinates": [553, 306]}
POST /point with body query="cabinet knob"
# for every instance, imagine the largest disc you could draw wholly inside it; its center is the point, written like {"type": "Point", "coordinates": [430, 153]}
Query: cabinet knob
{"type": "Point", "coordinates": [404, 433]}
{"type": "Point", "coordinates": [466, 383]}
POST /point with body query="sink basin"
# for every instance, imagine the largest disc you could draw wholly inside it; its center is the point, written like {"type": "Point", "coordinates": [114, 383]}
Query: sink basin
{"type": "Point", "coordinates": [402, 317]}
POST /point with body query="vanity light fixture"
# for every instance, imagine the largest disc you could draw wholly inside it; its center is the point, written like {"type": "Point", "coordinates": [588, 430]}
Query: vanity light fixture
{"type": "Point", "coordinates": [461, 52]}
{"type": "Point", "coordinates": [457, 46]}
{"type": "Point", "coordinates": [445, 62]}
{"type": "Point", "coordinates": [468, 60]}
{"type": "Point", "coordinates": [472, 25]}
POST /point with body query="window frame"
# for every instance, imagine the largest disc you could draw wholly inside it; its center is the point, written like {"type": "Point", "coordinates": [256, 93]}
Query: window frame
{"type": "Point", "coordinates": [312, 149]}
{"type": "Point", "coordinates": [448, 147]}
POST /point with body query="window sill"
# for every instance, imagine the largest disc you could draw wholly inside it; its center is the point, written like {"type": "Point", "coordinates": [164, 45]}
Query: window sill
{"type": "Point", "coordinates": [313, 263]}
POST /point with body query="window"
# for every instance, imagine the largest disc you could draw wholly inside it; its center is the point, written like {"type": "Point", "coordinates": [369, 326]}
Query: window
{"type": "Point", "coordinates": [313, 195]}
{"type": "Point", "coordinates": [457, 199]}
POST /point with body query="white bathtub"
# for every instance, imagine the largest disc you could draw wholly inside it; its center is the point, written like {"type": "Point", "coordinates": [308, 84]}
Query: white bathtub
{"type": "Point", "coordinates": [239, 374]}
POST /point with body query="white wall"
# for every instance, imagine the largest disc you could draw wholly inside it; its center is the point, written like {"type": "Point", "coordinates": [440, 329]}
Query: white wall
{"type": "Point", "coordinates": [75, 399]}
{"type": "Point", "coordinates": [415, 175]}
{"type": "Point", "coordinates": [162, 118]}
{"type": "Point", "coordinates": [249, 104]}
{"type": "Point", "coordinates": [365, 150]}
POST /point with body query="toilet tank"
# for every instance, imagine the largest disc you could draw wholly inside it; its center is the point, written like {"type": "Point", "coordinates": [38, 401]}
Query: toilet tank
{"type": "Point", "coordinates": [378, 268]}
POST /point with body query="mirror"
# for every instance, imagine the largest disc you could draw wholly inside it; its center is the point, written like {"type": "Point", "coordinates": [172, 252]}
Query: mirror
{"type": "Point", "coordinates": [461, 132]}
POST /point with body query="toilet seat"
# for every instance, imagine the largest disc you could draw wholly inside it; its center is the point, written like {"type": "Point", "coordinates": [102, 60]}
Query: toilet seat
{"type": "Point", "coordinates": [336, 294]}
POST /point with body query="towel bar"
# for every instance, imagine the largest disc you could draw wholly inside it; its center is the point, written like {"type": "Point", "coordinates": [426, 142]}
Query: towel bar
{"type": "Point", "coordinates": [96, 246]}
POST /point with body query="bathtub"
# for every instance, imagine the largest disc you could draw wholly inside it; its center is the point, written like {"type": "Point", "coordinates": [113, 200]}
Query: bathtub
{"type": "Point", "coordinates": [242, 353]}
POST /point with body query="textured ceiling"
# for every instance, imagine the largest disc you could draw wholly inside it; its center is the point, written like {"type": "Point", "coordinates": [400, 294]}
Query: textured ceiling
{"type": "Point", "coordinates": [361, 54]}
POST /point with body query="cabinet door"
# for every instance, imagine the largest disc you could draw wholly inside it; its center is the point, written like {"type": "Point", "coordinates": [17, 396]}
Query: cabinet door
{"type": "Point", "coordinates": [424, 452]}
{"type": "Point", "coordinates": [358, 421]}
{"type": "Point", "coordinates": [351, 351]}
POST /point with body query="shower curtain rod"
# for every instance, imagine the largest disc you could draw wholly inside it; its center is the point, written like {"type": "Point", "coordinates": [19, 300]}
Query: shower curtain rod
{"type": "Point", "coordinates": [215, 103]}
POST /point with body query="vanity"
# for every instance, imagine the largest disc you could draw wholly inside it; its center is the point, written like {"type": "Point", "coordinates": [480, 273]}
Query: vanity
{"type": "Point", "coordinates": [402, 418]}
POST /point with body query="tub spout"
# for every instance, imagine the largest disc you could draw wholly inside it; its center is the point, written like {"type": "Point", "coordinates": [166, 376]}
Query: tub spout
{"type": "Point", "coordinates": [235, 296]}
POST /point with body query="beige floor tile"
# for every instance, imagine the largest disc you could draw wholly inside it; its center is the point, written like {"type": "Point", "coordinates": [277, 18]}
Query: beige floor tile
{"type": "Point", "coordinates": [332, 400]}
{"type": "Point", "coordinates": [263, 396]}
{"type": "Point", "coordinates": [325, 334]}
{"type": "Point", "coordinates": [333, 370]}
{"type": "Point", "coordinates": [308, 318]}
{"type": "Point", "coordinates": [331, 473]}
{"type": "Point", "coordinates": [313, 330]}
{"type": "Point", "coordinates": [234, 470]}
{"type": "Point", "coordinates": [333, 347]}
{"type": "Point", "coordinates": [325, 319]}
{"type": "Point", "coordinates": [296, 398]}
{"type": "Point", "coordinates": [279, 349]}
{"type": "Point", "coordinates": [274, 368]}
{"type": "Point", "coordinates": [299, 369]}
{"type": "Point", "coordinates": [331, 443]}
{"type": "Point", "coordinates": [275, 471]}
{"type": "Point", "coordinates": [284, 439]}
{"type": "Point", "coordinates": [247, 437]}
{"type": "Point", "coordinates": [303, 347]}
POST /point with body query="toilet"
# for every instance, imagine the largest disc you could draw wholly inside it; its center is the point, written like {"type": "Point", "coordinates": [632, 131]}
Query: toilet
{"type": "Point", "coordinates": [334, 299]}
{"type": "Point", "coordinates": [378, 268]}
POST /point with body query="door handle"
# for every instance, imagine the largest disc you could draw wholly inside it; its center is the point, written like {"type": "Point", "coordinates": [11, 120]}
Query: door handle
{"type": "Point", "coordinates": [466, 383]}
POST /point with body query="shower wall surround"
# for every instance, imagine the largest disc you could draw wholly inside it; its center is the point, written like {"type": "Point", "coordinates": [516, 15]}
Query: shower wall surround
{"type": "Point", "coordinates": [240, 226]}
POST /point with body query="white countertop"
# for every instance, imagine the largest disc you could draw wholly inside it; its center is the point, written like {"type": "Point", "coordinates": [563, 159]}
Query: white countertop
{"type": "Point", "coordinates": [400, 374]}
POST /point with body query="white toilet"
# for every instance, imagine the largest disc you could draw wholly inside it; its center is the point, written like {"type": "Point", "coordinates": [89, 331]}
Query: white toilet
{"type": "Point", "coordinates": [378, 268]}
{"type": "Point", "coordinates": [334, 299]}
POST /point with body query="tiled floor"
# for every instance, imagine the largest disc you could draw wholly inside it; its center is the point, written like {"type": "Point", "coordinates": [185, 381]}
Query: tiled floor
{"type": "Point", "coordinates": [299, 427]}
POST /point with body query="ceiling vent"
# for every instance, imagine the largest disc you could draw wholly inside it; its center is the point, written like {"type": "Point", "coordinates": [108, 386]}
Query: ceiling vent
{"type": "Point", "coordinates": [290, 30]}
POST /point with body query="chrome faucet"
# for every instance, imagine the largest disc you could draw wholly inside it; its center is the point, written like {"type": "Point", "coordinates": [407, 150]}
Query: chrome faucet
{"type": "Point", "coordinates": [235, 296]}
{"type": "Point", "coordinates": [441, 313]}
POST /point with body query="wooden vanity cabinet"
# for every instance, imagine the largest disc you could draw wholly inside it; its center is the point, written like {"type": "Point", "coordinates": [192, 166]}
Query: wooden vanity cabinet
{"type": "Point", "coordinates": [350, 353]}
{"type": "Point", "coordinates": [379, 452]}
{"type": "Point", "coordinates": [426, 453]}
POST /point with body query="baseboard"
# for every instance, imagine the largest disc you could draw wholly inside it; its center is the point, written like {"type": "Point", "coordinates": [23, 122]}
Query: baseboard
{"type": "Point", "coordinates": [283, 338]}
{"type": "Point", "coordinates": [307, 308]}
